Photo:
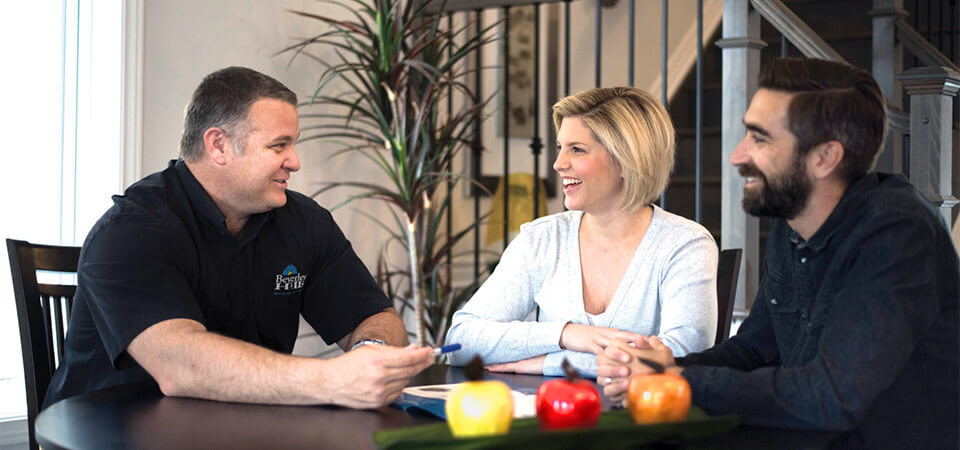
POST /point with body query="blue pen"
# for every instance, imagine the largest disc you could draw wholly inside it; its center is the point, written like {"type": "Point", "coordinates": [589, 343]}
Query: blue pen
{"type": "Point", "coordinates": [446, 349]}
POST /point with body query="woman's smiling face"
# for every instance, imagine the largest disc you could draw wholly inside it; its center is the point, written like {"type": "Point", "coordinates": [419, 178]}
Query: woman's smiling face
{"type": "Point", "coordinates": [592, 182]}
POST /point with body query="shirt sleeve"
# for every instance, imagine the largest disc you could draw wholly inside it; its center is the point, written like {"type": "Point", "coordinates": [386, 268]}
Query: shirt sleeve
{"type": "Point", "coordinates": [881, 312]}
{"type": "Point", "coordinates": [344, 293]}
{"type": "Point", "coordinates": [133, 275]}
{"type": "Point", "coordinates": [491, 323]}
{"type": "Point", "coordinates": [688, 297]}
{"type": "Point", "coordinates": [753, 346]}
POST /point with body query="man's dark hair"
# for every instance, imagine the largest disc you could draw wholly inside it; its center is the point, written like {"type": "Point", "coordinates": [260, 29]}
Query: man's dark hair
{"type": "Point", "coordinates": [223, 99]}
{"type": "Point", "coordinates": [831, 101]}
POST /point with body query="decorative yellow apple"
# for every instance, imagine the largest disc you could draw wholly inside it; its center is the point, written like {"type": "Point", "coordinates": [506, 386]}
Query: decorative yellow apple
{"type": "Point", "coordinates": [477, 407]}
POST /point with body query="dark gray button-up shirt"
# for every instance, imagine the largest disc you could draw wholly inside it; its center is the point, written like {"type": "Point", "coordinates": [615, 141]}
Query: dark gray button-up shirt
{"type": "Point", "coordinates": [855, 329]}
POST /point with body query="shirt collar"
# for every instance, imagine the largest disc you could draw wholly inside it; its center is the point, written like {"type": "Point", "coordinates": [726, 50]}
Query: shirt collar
{"type": "Point", "coordinates": [204, 206]}
{"type": "Point", "coordinates": [847, 204]}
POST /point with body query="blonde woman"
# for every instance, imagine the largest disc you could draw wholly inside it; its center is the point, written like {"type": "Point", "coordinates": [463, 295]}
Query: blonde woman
{"type": "Point", "coordinates": [615, 266]}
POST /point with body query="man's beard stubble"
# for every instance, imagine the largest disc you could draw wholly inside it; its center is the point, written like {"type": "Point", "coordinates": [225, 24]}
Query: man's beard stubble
{"type": "Point", "coordinates": [783, 195]}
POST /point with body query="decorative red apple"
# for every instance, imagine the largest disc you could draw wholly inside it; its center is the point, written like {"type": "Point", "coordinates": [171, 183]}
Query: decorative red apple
{"type": "Point", "coordinates": [567, 403]}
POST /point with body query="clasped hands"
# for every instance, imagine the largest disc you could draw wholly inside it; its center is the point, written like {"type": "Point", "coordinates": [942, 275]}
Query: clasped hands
{"type": "Point", "coordinates": [620, 360]}
{"type": "Point", "coordinates": [619, 355]}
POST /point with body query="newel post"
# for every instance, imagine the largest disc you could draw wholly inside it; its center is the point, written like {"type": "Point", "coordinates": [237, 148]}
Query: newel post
{"type": "Point", "coordinates": [741, 46]}
{"type": "Point", "coordinates": [931, 91]}
{"type": "Point", "coordinates": [887, 63]}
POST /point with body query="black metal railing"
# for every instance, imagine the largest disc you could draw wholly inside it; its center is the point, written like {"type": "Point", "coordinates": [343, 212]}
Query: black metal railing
{"type": "Point", "coordinates": [478, 11]}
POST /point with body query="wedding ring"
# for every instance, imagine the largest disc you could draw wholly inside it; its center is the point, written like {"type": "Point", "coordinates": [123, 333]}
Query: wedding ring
{"type": "Point", "coordinates": [605, 381]}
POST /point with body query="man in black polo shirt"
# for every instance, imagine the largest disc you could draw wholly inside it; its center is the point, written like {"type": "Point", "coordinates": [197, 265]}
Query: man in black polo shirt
{"type": "Point", "coordinates": [855, 324]}
{"type": "Point", "coordinates": [198, 274]}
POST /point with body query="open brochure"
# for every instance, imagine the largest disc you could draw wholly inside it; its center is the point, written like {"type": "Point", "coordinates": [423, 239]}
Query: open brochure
{"type": "Point", "coordinates": [433, 398]}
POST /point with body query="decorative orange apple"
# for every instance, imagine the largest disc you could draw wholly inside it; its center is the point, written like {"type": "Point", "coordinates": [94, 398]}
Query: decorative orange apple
{"type": "Point", "coordinates": [658, 397]}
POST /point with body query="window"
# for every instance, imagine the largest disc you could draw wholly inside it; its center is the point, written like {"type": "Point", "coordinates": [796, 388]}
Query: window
{"type": "Point", "coordinates": [63, 131]}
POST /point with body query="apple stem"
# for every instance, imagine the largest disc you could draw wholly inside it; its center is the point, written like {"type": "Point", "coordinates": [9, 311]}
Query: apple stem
{"type": "Point", "coordinates": [657, 367]}
{"type": "Point", "coordinates": [570, 372]}
{"type": "Point", "coordinates": [474, 369]}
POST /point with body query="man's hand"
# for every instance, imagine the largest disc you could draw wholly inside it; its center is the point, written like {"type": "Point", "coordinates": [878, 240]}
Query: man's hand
{"type": "Point", "coordinates": [186, 360]}
{"type": "Point", "coordinates": [373, 375]}
{"type": "Point", "coordinates": [591, 339]}
{"type": "Point", "coordinates": [529, 366]}
{"type": "Point", "coordinates": [618, 362]}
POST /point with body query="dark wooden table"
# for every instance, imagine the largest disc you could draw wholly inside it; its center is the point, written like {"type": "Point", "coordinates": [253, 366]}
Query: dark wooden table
{"type": "Point", "coordinates": [140, 417]}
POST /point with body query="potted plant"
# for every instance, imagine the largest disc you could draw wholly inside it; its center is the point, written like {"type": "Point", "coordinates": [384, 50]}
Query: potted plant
{"type": "Point", "coordinates": [399, 66]}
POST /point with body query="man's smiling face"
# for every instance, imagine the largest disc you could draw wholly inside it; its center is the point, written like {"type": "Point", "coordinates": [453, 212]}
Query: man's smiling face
{"type": "Point", "coordinates": [776, 182]}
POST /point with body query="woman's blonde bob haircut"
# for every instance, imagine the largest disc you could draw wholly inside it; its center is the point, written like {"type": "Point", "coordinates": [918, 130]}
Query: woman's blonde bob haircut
{"type": "Point", "coordinates": [635, 129]}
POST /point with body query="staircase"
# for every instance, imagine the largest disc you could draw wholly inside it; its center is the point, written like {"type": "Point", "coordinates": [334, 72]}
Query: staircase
{"type": "Point", "coordinates": [847, 27]}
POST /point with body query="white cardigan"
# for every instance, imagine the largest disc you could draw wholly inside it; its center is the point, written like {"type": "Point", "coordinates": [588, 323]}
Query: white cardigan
{"type": "Point", "coordinates": [669, 290]}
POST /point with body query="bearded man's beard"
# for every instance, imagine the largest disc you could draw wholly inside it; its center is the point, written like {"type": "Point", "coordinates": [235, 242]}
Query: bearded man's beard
{"type": "Point", "coordinates": [783, 195]}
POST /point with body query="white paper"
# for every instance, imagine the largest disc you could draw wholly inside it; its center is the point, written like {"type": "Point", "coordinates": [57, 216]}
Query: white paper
{"type": "Point", "coordinates": [524, 405]}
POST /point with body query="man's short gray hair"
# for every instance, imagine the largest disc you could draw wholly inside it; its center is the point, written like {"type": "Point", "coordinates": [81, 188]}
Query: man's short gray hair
{"type": "Point", "coordinates": [223, 100]}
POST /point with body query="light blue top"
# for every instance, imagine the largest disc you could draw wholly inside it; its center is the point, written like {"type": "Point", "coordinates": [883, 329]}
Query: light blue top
{"type": "Point", "coordinates": [669, 290]}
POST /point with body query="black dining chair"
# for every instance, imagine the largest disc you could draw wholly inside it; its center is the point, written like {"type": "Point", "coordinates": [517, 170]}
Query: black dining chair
{"type": "Point", "coordinates": [728, 272]}
{"type": "Point", "coordinates": [43, 310]}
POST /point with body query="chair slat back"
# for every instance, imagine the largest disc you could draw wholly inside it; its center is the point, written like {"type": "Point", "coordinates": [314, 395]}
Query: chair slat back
{"type": "Point", "coordinates": [728, 273]}
{"type": "Point", "coordinates": [41, 311]}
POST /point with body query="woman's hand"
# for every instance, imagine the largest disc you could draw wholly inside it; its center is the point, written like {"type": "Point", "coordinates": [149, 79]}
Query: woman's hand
{"type": "Point", "coordinates": [618, 362]}
{"type": "Point", "coordinates": [591, 339]}
{"type": "Point", "coordinates": [529, 366]}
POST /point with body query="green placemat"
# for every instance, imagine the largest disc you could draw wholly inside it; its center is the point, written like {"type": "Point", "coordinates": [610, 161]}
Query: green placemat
{"type": "Point", "coordinates": [615, 429]}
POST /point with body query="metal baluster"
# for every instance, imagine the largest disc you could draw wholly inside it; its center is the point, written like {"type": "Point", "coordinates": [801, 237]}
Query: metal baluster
{"type": "Point", "coordinates": [698, 187]}
{"type": "Point", "coordinates": [940, 29]}
{"type": "Point", "coordinates": [784, 52]}
{"type": "Point", "coordinates": [916, 26]}
{"type": "Point", "coordinates": [566, 47]}
{"type": "Point", "coordinates": [599, 40]}
{"type": "Point", "coordinates": [475, 153]}
{"type": "Point", "coordinates": [939, 23]}
{"type": "Point", "coordinates": [630, 43]}
{"type": "Point", "coordinates": [449, 168]}
{"type": "Point", "coordinates": [536, 144]}
{"type": "Point", "coordinates": [663, 74]}
{"type": "Point", "coordinates": [566, 71]}
{"type": "Point", "coordinates": [506, 126]}
{"type": "Point", "coordinates": [953, 30]}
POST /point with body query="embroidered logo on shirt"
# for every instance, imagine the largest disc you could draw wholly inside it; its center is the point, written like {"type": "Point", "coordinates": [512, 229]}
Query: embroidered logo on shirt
{"type": "Point", "coordinates": [289, 281]}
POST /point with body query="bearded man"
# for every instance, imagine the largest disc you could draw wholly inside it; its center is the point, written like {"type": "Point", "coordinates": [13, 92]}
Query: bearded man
{"type": "Point", "coordinates": [855, 325]}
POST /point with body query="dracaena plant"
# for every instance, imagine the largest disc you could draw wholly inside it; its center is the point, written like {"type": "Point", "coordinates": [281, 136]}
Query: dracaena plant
{"type": "Point", "coordinates": [396, 65]}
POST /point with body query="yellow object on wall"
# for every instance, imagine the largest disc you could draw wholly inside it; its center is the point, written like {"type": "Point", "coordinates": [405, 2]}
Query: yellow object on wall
{"type": "Point", "coordinates": [520, 204]}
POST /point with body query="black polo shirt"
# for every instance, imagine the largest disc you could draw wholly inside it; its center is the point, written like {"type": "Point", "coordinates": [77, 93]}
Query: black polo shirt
{"type": "Point", "coordinates": [163, 252]}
